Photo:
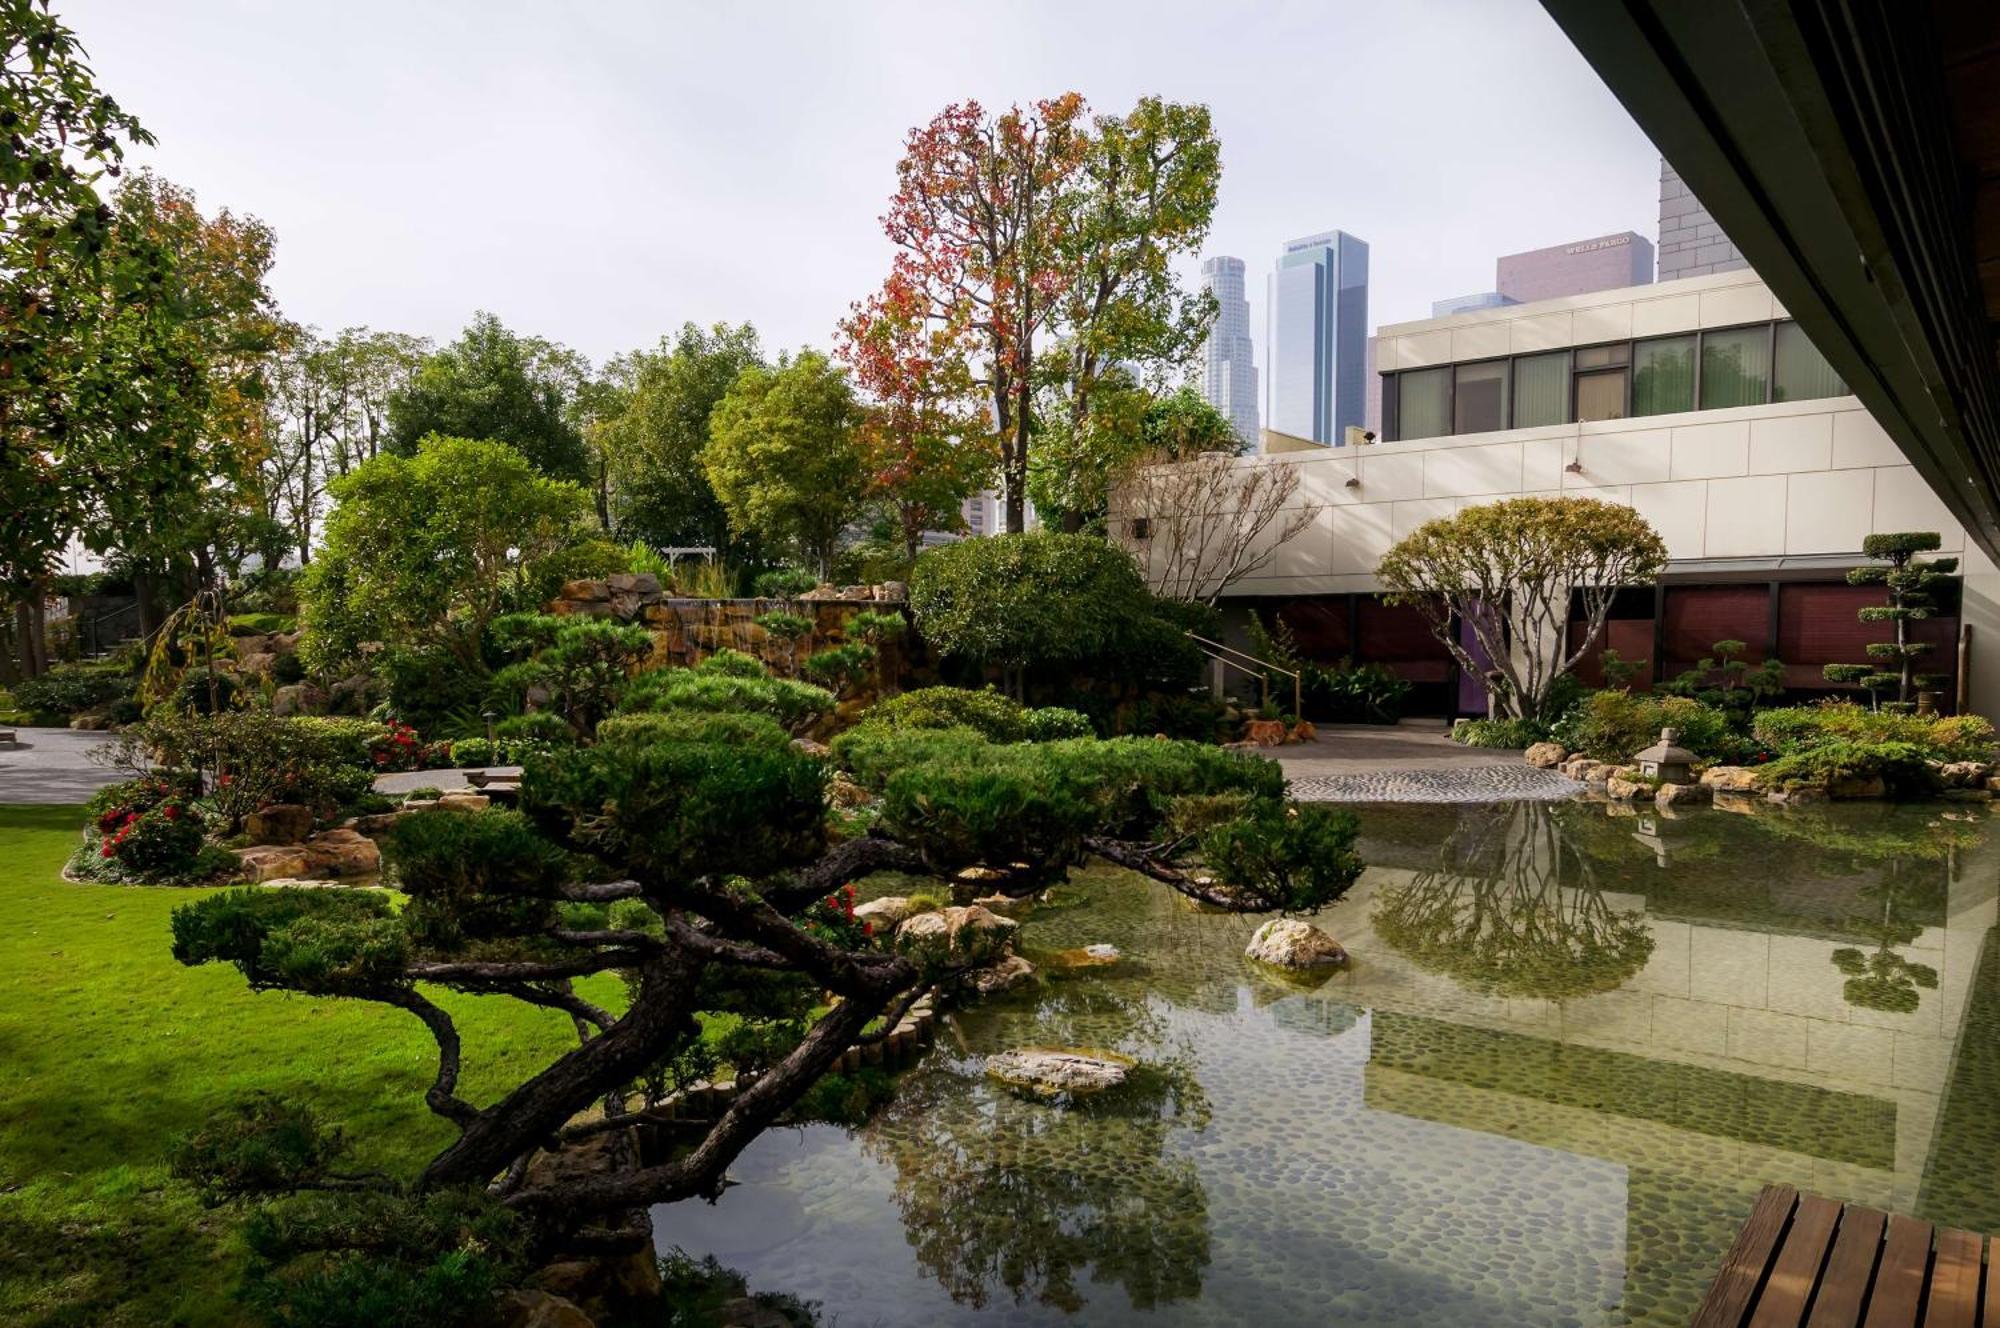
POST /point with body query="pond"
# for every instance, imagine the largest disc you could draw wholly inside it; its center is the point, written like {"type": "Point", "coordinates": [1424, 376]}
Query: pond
{"type": "Point", "coordinates": [1572, 1045]}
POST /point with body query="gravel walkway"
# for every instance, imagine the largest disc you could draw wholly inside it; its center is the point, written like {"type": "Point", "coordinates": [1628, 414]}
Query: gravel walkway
{"type": "Point", "coordinates": [1483, 783]}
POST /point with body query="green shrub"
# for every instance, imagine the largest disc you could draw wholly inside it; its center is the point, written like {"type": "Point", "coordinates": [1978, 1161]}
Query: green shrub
{"type": "Point", "coordinates": [783, 583]}
{"type": "Point", "coordinates": [535, 726]}
{"type": "Point", "coordinates": [1499, 732]}
{"type": "Point", "coordinates": [262, 1144]}
{"type": "Point", "coordinates": [1047, 601]}
{"type": "Point", "coordinates": [733, 664]}
{"type": "Point", "coordinates": [1301, 855]}
{"type": "Point", "coordinates": [1941, 738]}
{"type": "Point", "coordinates": [1054, 723]}
{"type": "Point", "coordinates": [259, 758]}
{"type": "Point", "coordinates": [997, 717]}
{"type": "Point", "coordinates": [796, 705]}
{"type": "Point", "coordinates": [785, 626]}
{"type": "Point", "coordinates": [840, 666]}
{"type": "Point", "coordinates": [1903, 766]}
{"type": "Point", "coordinates": [875, 627]}
{"type": "Point", "coordinates": [70, 689]}
{"type": "Point", "coordinates": [261, 624]}
{"type": "Point", "coordinates": [1194, 718]}
{"type": "Point", "coordinates": [147, 831]}
{"type": "Point", "coordinates": [474, 876]}
{"type": "Point", "coordinates": [473, 753]}
{"type": "Point", "coordinates": [735, 730]}
{"type": "Point", "coordinates": [424, 794]}
{"type": "Point", "coordinates": [871, 751]}
{"type": "Point", "coordinates": [1613, 725]}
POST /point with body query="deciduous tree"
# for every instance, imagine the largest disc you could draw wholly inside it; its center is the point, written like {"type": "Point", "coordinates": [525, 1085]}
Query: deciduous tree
{"type": "Point", "coordinates": [1510, 570]}
{"type": "Point", "coordinates": [784, 456]}
{"type": "Point", "coordinates": [494, 383]}
{"type": "Point", "coordinates": [1199, 526]}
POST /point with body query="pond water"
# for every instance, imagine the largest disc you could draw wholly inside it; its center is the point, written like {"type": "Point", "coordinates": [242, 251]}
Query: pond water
{"type": "Point", "coordinates": [1572, 1045]}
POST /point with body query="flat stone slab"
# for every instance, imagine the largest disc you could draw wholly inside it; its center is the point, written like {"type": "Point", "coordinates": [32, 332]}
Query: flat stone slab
{"type": "Point", "coordinates": [1511, 782]}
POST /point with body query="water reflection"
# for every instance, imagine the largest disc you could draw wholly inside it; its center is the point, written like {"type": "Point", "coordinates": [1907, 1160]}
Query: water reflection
{"type": "Point", "coordinates": [1571, 1048]}
{"type": "Point", "coordinates": [998, 1194]}
{"type": "Point", "coordinates": [1513, 907]}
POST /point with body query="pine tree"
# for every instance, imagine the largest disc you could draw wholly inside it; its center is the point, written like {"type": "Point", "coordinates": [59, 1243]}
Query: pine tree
{"type": "Point", "coordinates": [1910, 581]}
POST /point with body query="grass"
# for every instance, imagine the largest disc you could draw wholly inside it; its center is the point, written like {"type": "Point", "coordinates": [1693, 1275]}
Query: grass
{"type": "Point", "coordinates": [112, 1050]}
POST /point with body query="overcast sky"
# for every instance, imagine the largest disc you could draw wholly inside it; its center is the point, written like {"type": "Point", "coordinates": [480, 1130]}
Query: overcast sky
{"type": "Point", "coordinates": [600, 172]}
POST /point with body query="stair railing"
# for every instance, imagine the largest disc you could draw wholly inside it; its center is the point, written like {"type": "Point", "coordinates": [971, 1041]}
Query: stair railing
{"type": "Point", "coordinates": [1260, 669]}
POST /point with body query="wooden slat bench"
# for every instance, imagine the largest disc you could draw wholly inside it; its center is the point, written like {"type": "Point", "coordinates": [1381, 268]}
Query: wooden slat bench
{"type": "Point", "coordinates": [1806, 1262]}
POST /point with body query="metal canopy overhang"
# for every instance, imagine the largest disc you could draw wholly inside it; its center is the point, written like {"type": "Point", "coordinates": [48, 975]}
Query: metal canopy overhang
{"type": "Point", "coordinates": [1819, 135]}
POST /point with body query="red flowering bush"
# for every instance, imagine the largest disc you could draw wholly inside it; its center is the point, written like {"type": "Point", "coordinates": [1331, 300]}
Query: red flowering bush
{"type": "Point", "coordinates": [832, 919]}
{"type": "Point", "coordinates": [399, 748]}
{"type": "Point", "coordinates": [149, 827]}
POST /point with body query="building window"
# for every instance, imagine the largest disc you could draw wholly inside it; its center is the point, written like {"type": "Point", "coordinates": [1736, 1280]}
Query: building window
{"type": "Point", "coordinates": [1736, 367]}
{"type": "Point", "coordinates": [1541, 390]}
{"type": "Point", "coordinates": [1479, 398]}
{"type": "Point", "coordinates": [1663, 375]}
{"type": "Point", "coordinates": [1423, 403]}
{"type": "Point", "coordinates": [1799, 372]}
{"type": "Point", "coordinates": [1601, 374]}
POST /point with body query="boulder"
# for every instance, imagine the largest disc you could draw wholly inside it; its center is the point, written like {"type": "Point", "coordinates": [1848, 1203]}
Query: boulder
{"type": "Point", "coordinates": [1684, 795]}
{"type": "Point", "coordinates": [957, 935]}
{"type": "Point", "coordinates": [624, 606]}
{"type": "Point", "coordinates": [886, 913]}
{"type": "Point", "coordinates": [1584, 770]}
{"type": "Point", "coordinates": [1622, 784]}
{"type": "Point", "coordinates": [376, 824]}
{"type": "Point", "coordinates": [1798, 797]}
{"type": "Point", "coordinates": [632, 583]}
{"type": "Point", "coordinates": [1007, 906]}
{"type": "Point", "coordinates": [279, 823]}
{"type": "Point", "coordinates": [586, 589]}
{"type": "Point", "coordinates": [1294, 943]}
{"type": "Point", "coordinates": [1963, 774]}
{"type": "Point", "coordinates": [1858, 786]}
{"type": "Point", "coordinates": [1265, 732]}
{"type": "Point", "coordinates": [1006, 975]}
{"type": "Point", "coordinates": [1085, 956]}
{"type": "Point", "coordinates": [844, 792]}
{"type": "Point", "coordinates": [894, 591]}
{"type": "Point", "coordinates": [811, 748]}
{"type": "Point", "coordinates": [1966, 795]}
{"type": "Point", "coordinates": [1055, 1073]}
{"type": "Point", "coordinates": [459, 800]}
{"type": "Point", "coordinates": [1730, 778]}
{"type": "Point", "coordinates": [257, 664]}
{"type": "Point", "coordinates": [539, 1309]}
{"type": "Point", "coordinates": [302, 698]}
{"type": "Point", "coordinates": [341, 853]}
{"type": "Point", "coordinates": [90, 721]}
{"type": "Point", "coordinates": [268, 862]}
{"type": "Point", "coordinates": [1545, 755]}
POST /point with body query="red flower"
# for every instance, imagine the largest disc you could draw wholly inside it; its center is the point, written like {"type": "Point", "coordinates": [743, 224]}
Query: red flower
{"type": "Point", "coordinates": [106, 851]}
{"type": "Point", "coordinates": [173, 812]}
{"type": "Point", "coordinates": [226, 780]}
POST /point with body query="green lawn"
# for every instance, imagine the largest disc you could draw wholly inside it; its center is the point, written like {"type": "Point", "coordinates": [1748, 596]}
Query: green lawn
{"type": "Point", "coordinates": [109, 1050]}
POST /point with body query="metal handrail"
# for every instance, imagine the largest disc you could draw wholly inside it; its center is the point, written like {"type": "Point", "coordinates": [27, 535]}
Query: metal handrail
{"type": "Point", "coordinates": [1217, 652]}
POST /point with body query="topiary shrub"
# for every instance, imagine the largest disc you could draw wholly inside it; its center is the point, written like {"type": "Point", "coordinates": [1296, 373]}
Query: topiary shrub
{"type": "Point", "coordinates": [1902, 766]}
{"type": "Point", "coordinates": [694, 726]}
{"type": "Point", "coordinates": [783, 583]}
{"type": "Point", "coordinates": [842, 666]}
{"type": "Point", "coordinates": [996, 717]}
{"type": "Point", "coordinates": [1054, 723]}
{"type": "Point", "coordinates": [535, 726]}
{"type": "Point", "coordinates": [1792, 729]}
{"type": "Point", "coordinates": [796, 705]}
{"type": "Point", "coordinates": [727, 663]}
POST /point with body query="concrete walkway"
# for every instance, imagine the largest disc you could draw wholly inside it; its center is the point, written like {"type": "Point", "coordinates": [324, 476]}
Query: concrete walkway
{"type": "Point", "coordinates": [1411, 763]}
{"type": "Point", "coordinates": [52, 766]}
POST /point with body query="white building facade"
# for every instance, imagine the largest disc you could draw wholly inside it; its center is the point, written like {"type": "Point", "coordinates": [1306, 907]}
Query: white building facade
{"type": "Point", "coordinates": [1697, 403]}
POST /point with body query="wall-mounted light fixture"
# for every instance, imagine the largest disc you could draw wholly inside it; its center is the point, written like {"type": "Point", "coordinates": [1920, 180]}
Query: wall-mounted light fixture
{"type": "Point", "coordinates": [1574, 467]}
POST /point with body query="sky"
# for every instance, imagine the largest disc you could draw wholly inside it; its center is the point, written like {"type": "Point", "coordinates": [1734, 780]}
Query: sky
{"type": "Point", "coordinates": [598, 173]}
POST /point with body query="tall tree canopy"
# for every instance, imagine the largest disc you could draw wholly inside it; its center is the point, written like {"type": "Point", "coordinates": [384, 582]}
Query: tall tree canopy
{"type": "Point", "coordinates": [653, 442]}
{"type": "Point", "coordinates": [1049, 226]}
{"type": "Point", "coordinates": [494, 383]}
{"type": "Point", "coordinates": [58, 395]}
{"type": "Point", "coordinates": [784, 455]}
{"type": "Point", "coordinates": [426, 550]}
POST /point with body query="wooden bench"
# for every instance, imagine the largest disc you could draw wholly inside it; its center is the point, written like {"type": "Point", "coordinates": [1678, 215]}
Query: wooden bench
{"type": "Point", "coordinates": [1806, 1262]}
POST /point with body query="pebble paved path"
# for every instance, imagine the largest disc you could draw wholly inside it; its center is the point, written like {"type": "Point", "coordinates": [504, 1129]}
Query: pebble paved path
{"type": "Point", "coordinates": [1479, 783]}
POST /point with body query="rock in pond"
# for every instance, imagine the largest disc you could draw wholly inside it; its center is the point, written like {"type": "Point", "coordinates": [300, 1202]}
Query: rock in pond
{"type": "Point", "coordinates": [1051, 1073]}
{"type": "Point", "coordinates": [887, 912]}
{"type": "Point", "coordinates": [1293, 943]}
{"type": "Point", "coordinates": [957, 935]}
{"type": "Point", "coordinates": [1006, 975]}
{"type": "Point", "coordinates": [1085, 956]}
{"type": "Point", "coordinates": [1730, 778]}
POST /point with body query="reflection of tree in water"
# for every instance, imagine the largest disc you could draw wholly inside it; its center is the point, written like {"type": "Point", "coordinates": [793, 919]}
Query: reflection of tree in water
{"type": "Point", "coordinates": [1886, 980]}
{"type": "Point", "coordinates": [996, 1192]}
{"type": "Point", "coordinates": [1514, 909]}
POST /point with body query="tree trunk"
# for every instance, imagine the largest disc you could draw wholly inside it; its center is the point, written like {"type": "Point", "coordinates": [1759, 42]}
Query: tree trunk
{"type": "Point", "coordinates": [38, 634]}
{"type": "Point", "coordinates": [24, 638]}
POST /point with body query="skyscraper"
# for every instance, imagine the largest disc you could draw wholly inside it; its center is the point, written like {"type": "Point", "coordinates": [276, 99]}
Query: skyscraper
{"type": "Point", "coordinates": [1230, 383]}
{"type": "Point", "coordinates": [1691, 244]}
{"type": "Point", "coordinates": [1318, 322]}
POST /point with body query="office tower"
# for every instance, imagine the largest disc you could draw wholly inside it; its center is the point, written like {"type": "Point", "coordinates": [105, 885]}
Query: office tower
{"type": "Point", "coordinates": [1318, 324]}
{"type": "Point", "coordinates": [1603, 262]}
{"type": "Point", "coordinates": [1691, 244]}
{"type": "Point", "coordinates": [1230, 380]}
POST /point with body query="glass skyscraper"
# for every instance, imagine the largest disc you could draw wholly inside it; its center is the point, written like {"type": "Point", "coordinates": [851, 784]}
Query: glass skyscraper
{"type": "Point", "coordinates": [1230, 381]}
{"type": "Point", "coordinates": [1318, 324]}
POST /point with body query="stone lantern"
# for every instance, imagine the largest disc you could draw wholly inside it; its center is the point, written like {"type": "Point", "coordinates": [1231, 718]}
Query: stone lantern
{"type": "Point", "coordinates": [1665, 760]}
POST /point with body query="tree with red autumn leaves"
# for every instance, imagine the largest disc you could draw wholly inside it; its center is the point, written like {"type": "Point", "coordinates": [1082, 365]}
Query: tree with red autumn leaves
{"type": "Point", "coordinates": [1045, 229]}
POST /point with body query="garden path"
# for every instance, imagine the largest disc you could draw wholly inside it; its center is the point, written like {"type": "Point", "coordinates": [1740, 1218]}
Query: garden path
{"type": "Point", "coordinates": [51, 766]}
